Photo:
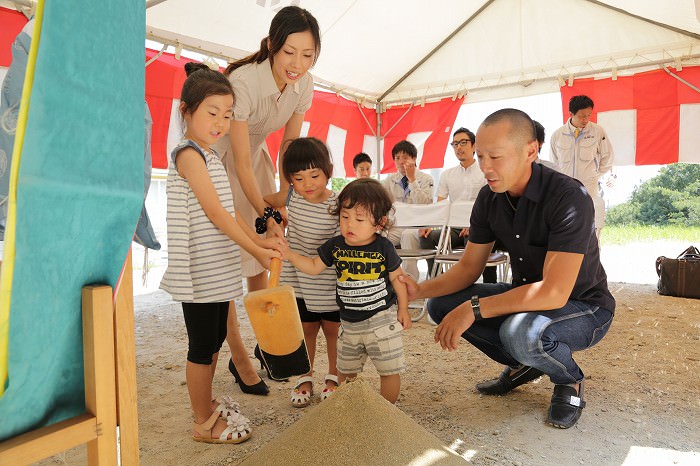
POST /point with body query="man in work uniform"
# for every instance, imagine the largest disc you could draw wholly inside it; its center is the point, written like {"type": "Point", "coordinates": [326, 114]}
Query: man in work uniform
{"type": "Point", "coordinates": [582, 150]}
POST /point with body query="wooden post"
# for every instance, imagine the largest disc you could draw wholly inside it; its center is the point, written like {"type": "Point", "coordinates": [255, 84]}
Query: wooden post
{"type": "Point", "coordinates": [125, 353]}
{"type": "Point", "coordinates": [98, 426]}
{"type": "Point", "coordinates": [47, 441]}
{"type": "Point", "coordinates": [100, 383]}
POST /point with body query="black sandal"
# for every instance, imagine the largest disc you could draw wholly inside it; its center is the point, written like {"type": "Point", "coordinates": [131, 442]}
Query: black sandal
{"type": "Point", "coordinates": [566, 406]}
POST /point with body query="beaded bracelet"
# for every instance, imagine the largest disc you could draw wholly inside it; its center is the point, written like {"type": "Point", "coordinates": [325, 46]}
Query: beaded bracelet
{"type": "Point", "coordinates": [261, 222]}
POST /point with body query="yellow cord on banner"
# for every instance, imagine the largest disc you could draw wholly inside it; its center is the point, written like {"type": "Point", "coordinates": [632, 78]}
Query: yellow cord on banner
{"type": "Point", "coordinates": [8, 261]}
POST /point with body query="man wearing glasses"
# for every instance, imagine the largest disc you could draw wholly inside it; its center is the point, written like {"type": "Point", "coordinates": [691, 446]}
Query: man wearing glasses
{"type": "Point", "coordinates": [460, 183]}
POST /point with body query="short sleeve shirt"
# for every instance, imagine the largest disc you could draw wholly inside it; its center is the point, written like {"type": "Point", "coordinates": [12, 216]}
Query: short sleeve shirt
{"type": "Point", "coordinates": [259, 102]}
{"type": "Point", "coordinates": [363, 287]}
{"type": "Point", "coordinates": [554, 214]}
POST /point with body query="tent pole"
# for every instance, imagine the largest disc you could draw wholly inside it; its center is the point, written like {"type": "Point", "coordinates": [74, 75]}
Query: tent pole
{"type": "Point", "coordinates": [379, 127]}
{"type": "Point", "coordinates": [650, 21]}
{"type": "Point", "coordinates": [410, 107]}
{"type": "Point", "coordinates": [150, 3]}
{"type": "Point", "coordinates": [580, 74]}
{"type": "Point", "coordinates": [380, 156]}
{"type": "Point", "coordinates": [693, 87]}
{"type": "Point", "coordinates": [359, 109]}
{"type": "Point", "coordinates": [438, 47]}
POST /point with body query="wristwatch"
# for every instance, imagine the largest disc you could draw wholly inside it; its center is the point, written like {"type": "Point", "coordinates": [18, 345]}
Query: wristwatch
{"type": "Point", "coordinates": [476, 308]}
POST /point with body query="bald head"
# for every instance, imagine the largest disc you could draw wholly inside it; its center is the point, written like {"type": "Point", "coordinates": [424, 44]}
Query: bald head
{"type": "Point", "coordinates": [522, 128]}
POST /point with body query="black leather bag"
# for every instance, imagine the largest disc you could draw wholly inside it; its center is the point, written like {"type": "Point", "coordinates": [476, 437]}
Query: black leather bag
{"type": "Point", "coordinates": [680, 276]}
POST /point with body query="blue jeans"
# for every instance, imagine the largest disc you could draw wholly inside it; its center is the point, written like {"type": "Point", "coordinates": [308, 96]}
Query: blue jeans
{"type": "Point", "coordinates": [544, 340]}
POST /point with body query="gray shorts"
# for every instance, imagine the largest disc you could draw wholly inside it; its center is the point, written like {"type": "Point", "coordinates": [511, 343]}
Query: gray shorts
{"type": "Point", "coordinates": [378, 337]}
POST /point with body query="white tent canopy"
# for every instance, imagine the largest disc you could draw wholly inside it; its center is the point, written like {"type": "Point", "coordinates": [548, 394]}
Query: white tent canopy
{"type": "Point", "coordinates": [399, 51]}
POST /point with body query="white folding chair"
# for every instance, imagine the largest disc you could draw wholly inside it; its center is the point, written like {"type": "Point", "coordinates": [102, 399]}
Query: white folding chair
{"type": "Point", "coordinates": [419, 216]}
{"type": "Point", "coordinates": [460, 212]}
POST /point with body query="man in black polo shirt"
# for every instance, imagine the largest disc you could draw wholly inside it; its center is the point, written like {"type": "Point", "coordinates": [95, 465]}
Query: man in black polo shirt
{"type": "Point", "coordinates": [559, 300]}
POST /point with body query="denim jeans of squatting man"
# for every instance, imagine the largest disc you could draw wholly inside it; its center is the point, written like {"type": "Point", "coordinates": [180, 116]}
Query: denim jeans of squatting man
{"type": "Point", "coordinates": [544, 339]}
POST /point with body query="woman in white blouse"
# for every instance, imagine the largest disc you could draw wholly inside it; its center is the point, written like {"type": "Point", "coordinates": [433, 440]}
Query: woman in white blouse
{"type": "Point", "coordinates": [272, 89]}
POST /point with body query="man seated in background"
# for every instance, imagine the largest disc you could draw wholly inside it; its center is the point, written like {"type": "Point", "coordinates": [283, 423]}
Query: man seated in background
{"type": "Point", "coordinates": [460, 183]}
{"type": "Point", "coordinates": [412, 186]}
{"type": "Point", "coordinates": [362, 163]}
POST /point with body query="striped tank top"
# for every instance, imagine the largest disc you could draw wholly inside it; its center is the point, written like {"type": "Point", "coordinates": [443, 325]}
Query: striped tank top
{"type": "Point", "coordinates": [309, 226]}
{"type": "Point", "coordinates": [203, 263]}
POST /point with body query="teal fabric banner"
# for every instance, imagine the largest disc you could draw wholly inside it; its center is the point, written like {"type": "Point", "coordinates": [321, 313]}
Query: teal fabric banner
{"type": "Point", "coordinates": [80, 192]}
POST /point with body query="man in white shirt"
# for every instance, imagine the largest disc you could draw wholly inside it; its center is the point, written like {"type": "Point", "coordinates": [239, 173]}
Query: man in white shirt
{"type": "Point", "coordinates": [460, 183]}
{"type": "Point", "coordinates": [582, 150]}
{"type": "Point", "coordinates": [409, 185]}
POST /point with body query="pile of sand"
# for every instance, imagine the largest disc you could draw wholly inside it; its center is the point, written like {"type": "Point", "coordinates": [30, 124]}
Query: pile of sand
{"type": "Point", "coordinates": [355, 426]}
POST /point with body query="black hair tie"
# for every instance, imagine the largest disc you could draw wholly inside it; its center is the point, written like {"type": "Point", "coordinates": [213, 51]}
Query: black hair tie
{"type": "Point", "coordinates": [261, 222]}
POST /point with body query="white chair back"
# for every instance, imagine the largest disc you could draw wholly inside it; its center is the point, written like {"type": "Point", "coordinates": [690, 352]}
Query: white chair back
{"type": "Point", "coordinates": [421, 215]}
{"type": "Point", "coordinates": [460, 213]}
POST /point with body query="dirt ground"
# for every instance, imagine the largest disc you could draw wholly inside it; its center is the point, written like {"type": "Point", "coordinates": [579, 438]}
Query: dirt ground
{"type": "Point", "coordinates": [642, 394]}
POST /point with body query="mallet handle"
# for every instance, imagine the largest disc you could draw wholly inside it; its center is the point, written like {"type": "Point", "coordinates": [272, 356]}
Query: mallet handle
{"type": "Point", "coordinates": [275, 269]}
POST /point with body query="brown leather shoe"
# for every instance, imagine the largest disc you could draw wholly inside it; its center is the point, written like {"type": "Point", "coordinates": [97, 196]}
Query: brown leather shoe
{"type": "Point", "coordinates": [507, 382]}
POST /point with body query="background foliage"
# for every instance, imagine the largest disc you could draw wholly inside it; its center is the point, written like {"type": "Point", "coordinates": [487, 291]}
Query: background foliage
{"type": "Point", "coordinates": [670, 198]}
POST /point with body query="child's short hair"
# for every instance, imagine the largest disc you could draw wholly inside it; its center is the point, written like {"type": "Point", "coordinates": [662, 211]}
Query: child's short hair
{"type": "Point", "coordinates": [368, 193]}
{"type": "Point", "coordinates": [201, 82]}
{"type": "Point", "coordinates": [305, 154]}
{"type": "Point", "coordinates": [360, 158]}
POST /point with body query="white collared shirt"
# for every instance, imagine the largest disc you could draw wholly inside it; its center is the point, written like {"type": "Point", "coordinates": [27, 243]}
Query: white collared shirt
{"type": "Point", "coordinates": [461, 184]}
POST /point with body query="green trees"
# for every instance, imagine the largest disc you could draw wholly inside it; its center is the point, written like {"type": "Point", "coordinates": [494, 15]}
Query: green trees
{"type": "Point", "coordinates": [670, 198]}
{"type": "Point", "coordinates": [337, 184]}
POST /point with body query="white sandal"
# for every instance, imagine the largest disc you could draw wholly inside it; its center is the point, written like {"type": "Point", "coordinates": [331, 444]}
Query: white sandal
{"type": "Point", "coordinates": [327, 391]}
{"type": "Point", "coordinates": [301, 398]}
{"type": "Point", "coordinates": [238, 427]}
{"type": "Point", "coordinates": [227, 406]}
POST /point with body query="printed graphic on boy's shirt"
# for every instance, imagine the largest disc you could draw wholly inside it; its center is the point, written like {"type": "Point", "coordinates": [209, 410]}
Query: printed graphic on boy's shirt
{"type": "Point", "coordinates": [358, 265]}
{"type": "Point", "coordinates": [359, 295]}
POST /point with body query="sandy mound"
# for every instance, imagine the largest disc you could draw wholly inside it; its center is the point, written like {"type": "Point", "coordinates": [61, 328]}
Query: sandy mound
{"type": "Point", "coordinates": [355, 426]}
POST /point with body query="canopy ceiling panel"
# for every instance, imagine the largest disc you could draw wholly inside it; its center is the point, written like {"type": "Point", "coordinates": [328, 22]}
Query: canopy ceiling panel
{"type": "Point", "coordinates": [402, 51]}
{"type": "Point", "coordinates": [516, 42]}
{"type": "Point", "coordinates": [374, 43]}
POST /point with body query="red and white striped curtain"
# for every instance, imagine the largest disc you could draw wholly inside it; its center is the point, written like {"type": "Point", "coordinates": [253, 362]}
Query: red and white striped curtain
{"type": "Point", "coordinates": [651, 118]}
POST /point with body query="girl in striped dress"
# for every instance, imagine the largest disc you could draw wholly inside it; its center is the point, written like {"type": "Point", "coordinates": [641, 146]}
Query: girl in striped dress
{"type": "Point", "coordinates": [203, 270]}
{"type": "Point", "coordinates": [307, 166]}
